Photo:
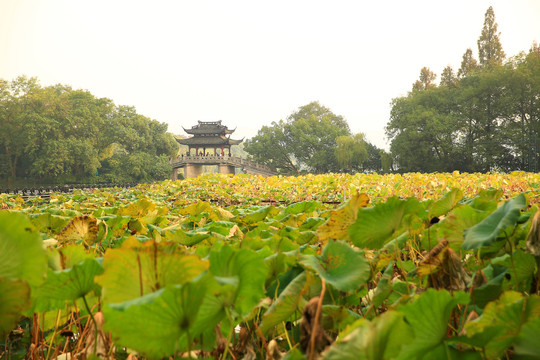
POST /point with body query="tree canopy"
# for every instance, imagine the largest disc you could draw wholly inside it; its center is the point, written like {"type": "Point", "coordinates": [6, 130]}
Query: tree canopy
{"type": "Point", "coordinates": [58, 134]}
{"type": "Point", "coordinates": [311, 139]}
{"type": "Point", "coordinates": [485, 118]}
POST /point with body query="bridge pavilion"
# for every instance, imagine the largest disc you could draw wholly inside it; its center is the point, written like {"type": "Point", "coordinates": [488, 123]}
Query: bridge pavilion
{"type": "Point", "coordinates": [208, 136]}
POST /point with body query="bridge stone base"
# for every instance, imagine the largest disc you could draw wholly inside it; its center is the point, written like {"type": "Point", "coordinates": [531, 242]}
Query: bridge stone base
{"type": "Point", "coordinates": [192, 170]}
{"type": "Point", "coordinates": [193, 165]}
{"type": "Point", "coordinates": [226, 169]}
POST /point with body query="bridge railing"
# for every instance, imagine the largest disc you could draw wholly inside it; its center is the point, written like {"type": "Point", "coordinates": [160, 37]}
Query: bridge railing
{"type": "Point", "coordinates": [217, 159]}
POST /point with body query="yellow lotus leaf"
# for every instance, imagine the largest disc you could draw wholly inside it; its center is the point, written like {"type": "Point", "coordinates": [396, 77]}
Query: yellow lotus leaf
{"type": "Point", "coordinates": [80, 229]}
{"type": "Point", "coordinates": [340, 219]}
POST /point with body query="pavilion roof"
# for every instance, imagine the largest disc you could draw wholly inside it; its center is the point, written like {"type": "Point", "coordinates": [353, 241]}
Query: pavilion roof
{"type": "Point", "coordinates": [209, 141]}
{"type": "Point", "coordinates": [209, 127]}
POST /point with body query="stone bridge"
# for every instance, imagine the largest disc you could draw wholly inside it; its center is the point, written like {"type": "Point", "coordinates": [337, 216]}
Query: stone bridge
{"type": "Point", "coordinates": [192, 165]}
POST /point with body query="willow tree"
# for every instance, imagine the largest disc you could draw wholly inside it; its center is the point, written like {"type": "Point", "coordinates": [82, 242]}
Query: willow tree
{"type": "Point", "coordinates": [351, 152]}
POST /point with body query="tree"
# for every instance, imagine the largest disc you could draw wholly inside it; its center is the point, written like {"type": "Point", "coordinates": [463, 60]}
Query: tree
{"type": "Point", "coordinates": [424, 132]}
{"type": "Point", "coordinates": [468, 64]}
{"type": "Point", "coordinates": [426, 80]}
{"type": "Point", "coordinates": [490, 50]}
{"type": "Point", "coordinates": [304, 142]}
{"type": "Point", "coordinates": [448, 77]}
{"type": "Point", "coordinates": [272, 147]}
{"type": "Point", "coordinates": [374, 160]}
{"type": "Point", "coordinates": [351, 152]}
{"type": "Point", "coordinates": [488, 119]}
{"type": "Point", "coordinates": [57, 134]}
{"type": "Point", "coordinates": [13, 122]}
{"type": "Point", "coordinates": [313, 131]}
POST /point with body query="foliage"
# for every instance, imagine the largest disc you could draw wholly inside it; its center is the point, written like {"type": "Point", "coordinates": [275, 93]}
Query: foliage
{"type": "Point", "coordinates": [351, 152]}
{"type": "Point", "coordinates": [487, 118]}
{"type": "Point", "coordinates": [172, 275]}
{"type": "Point", "coordinates": [312, 139]}
{"type": "Point", "coordinates": [490, 50]}
{"type": "Point", "coordinates": [57, 134]}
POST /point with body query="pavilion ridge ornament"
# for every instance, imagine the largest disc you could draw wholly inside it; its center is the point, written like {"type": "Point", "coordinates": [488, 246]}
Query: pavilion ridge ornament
{"type": "Point", "coordinates": [210, 144]}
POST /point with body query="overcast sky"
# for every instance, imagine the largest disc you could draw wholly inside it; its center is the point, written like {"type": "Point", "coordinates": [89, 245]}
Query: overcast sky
{"type": "Point", "coordinates": [249, 63]}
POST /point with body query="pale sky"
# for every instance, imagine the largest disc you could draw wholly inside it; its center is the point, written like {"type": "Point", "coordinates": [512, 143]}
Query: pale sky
{"type": "Point", "coordinates": [249, 63]}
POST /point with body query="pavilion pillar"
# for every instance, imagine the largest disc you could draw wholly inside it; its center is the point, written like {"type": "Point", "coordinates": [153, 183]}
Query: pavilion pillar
{"type": "Point", "coordinates": [226, 169]}
{"type": "Point", "coordinates": [192, 170]}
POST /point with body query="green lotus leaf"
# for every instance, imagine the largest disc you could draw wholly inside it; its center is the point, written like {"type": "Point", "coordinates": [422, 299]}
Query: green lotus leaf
{"type": "Point", "coordinates": [302, 207]}
{"type": "Point", "coordinates": [338, 317]}
{"type": "Point", "coordinates": [384, 286]}
{"type": "Point", "coordinates": [219, 227]}
{"type": "Point", "coordinates": [521, 266]}
{"type": "Point", "coordinates": [500, 323]}
{"type": "Point", "coordinates": [376, 225]}
{"type": "Point", "coordinates": [278, 263]}
{"type": "Point", "coordinates": [445, 203]}
{"type": "Point", "coordinates": [289, 302]}
{"type": "Point", "coordinates": [486, 200]}
{"type": "Point", "coordinates": [488, 230]}
{"type": "Point", "coordinates": [244, 269]}
{"type": "Point", "coordinates": [295, 354]}
{"type": "Point", "coordinates": [138, 269]}
{"type": "Point", "coordinates": [312, 223]}
{"type": "Point", "coordinates": [14, 299]}
{"type": "Point", "coordinates": [493, 288]}
{"type": "Point", "coordinates": [67, 285]}
{"type": "Point", "coordinates": [379, 339]}
{"type": "Point", "coordinates": [212, 312]}
{"type": "Point", "coordinates": [340, 265]}
{"type": "Point", "coordinates": [454, 225]}
{"type": "Point", "coordinates": [257, 215]}
{"type": "Point", "coordinates": [21, 249]}
{"type": "Point", "coordinates": [116, 222]}
{"type": "Point", "coordinates": [46, 222]}
{"type": "Point", "coordinates": [299, 237]}
{"type": "Point", "coordinates": [428, 317]}
{"type": "Point", "coordinates": [158, 324]}
{"type": "Point", "coordinates": [527, 343]}
{"type": "Point", "coordinates": [189, 238]}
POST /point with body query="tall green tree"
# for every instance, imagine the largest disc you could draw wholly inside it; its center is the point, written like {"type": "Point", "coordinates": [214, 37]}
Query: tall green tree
{"type": "Point", "coordinates": [490, 50]}
{"type": "Point", "coordinates": [423, 131]}
{"type": "Point", "coordinates": [14, 122]}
